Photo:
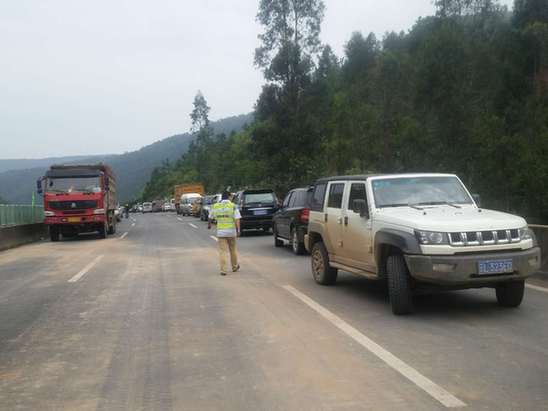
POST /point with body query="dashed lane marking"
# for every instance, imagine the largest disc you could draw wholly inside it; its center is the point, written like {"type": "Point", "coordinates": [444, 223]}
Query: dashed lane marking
{"type": "Point", "coordinates": [431, 388]}
{"type": "Point", "coordinates": [536, 287]}
{"type": "Point", "coordinates": [85, 270]}
{"type": "Point", "coordinates": [192, 225]}
{"type": "Point", "coordinates": [123, 236]}
{"type": "Point", "coordinates": [179, 218]}
{"type": "Point", "coordinates": [133, 225]}
{"type": "Point", "coordinates": [214, 238]}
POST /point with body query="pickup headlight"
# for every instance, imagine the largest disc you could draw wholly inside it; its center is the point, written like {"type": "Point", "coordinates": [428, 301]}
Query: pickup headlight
{"type": "Point", "coordinates": [526, 233]}
{"type": "Point", "coordinates": [99, 211]}
{"type": "Point", "coordinates": [431, 237]}
{"type": "Point", "coordinates": [49, 214]}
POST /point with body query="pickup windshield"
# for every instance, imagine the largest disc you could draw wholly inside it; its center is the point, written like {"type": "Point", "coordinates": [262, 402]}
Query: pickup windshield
{"type": "Point", "coordinates": [419, 191]}
{"type": "Point", "coordinates": [73, 184]}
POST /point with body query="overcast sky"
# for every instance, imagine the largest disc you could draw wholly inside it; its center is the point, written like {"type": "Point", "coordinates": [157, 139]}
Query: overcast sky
{"type": "Point", "coordinates": [108, 76]}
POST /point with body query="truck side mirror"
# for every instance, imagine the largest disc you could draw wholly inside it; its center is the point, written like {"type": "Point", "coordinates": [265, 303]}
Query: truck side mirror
{"type": "Point", "coordinates": [39, 188]}
{"type": "Point", "coordinates": [360, 207]}
{"type": "Point", "coordinates": [477, 199]}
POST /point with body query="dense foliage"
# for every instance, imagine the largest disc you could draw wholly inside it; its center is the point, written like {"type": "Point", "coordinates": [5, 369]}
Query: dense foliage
{"type": "Point", "coordinates": [464, 91]}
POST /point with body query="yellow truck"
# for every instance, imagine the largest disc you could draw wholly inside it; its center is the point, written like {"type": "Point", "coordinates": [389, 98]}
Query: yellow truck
{"type": "Point", "coordinates": [184, 189]}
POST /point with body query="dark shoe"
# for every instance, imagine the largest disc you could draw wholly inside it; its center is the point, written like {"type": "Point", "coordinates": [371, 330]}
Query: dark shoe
{"type": "Point", "coordinates": [236, 269]}
{"type": "Point", "coordinates": [223, 273]}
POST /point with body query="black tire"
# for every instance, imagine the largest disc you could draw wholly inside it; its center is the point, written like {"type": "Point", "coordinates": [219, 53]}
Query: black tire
{"type": "Point", "coordinates": [277, 241]}
{"type": "Point", "coordinates": [510, 294]}
{"type": "Point", "coordinates": [296, 245]}
{"type": "Point", "coordinates": [54, 234]}
{"type": "Point", "coordinates": [112, 229]}
{"type": "Point", "coordinates": [399, 285]}
{"type": "Point", "coordinates": [103, 231]}
{"type": "Point", "coordinates": [322, 272]}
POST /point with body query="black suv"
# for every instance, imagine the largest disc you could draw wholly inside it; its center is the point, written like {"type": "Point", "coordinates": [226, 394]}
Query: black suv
{"type": "Point", "coordinates": [291, 221]}
{"type": "Point", "coordinates": [257, 208]}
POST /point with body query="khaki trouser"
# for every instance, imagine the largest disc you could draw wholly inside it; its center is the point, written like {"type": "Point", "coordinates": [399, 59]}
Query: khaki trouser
{"type": "Point", "coordinates": [227, 246]}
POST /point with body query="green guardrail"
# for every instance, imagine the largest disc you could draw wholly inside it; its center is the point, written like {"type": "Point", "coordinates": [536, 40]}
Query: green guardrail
{"type": "Point", "coordinates": [14, 214]}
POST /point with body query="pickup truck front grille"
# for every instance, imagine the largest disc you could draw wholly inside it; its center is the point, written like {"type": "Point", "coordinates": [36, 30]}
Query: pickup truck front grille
{"type": "Point", "coordinates": [72, 205]}
{"type": "Point", "coordinates": [468, 238]}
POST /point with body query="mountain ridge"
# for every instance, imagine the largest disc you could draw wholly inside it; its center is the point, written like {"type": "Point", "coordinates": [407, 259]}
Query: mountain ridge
{"type": "Point", "coordinates": [132, 168]}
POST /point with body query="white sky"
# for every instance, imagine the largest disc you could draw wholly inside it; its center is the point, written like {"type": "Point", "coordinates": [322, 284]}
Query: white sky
{"type": "Point", "coordinates": [108, 76]}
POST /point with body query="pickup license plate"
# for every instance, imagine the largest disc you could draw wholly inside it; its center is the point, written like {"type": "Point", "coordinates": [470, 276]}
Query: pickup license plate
{"type": "Point", "coordinates": [74, 219]}
{"type": "Point", "coordinates": [495, 267]}
{"type": "Point", "coordinates": [260, 212]}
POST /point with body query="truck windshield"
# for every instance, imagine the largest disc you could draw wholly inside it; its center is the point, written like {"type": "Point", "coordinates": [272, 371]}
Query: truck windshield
{"type": "Point", "coordinates": [415, 191]}
{"type": "Point", "coordinates": [73, 184]}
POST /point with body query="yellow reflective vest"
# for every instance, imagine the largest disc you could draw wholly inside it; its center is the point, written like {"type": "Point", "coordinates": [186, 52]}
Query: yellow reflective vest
{"type": "Point", "coordinates": [223, 212]}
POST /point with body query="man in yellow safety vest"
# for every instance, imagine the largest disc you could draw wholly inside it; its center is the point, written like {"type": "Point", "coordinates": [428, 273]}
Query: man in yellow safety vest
{"type": "Point", "coordinates": [226, 216]}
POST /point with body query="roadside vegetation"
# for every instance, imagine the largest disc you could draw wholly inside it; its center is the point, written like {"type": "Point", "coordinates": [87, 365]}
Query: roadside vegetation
{"type": "Point", "coordinates": [464, 91]}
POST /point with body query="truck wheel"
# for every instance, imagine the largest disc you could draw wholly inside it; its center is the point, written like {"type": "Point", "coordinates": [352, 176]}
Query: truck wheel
{"type": "Point", "coordinates": [103, 231]}
{"type": "Point", "coordinates": [296, 245]}
{"type": "Point", "coordinates": [510, 294]}
{"type": "Point", "coordinates": [323, 273]}
{"type": "Point", "coordinates": [399, 285]}
{"type": "Point", "coordinates": [54, 234]}
{"type": "Point", "coordinates": [277, 241]}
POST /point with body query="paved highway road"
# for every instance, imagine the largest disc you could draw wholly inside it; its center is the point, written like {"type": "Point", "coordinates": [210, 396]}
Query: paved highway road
{"type": "Point", "coordinates": [144, 321]}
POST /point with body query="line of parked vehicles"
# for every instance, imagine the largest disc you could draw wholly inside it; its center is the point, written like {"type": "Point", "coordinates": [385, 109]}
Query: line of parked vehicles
{"type": "Point", "coordinates": [416, 232]}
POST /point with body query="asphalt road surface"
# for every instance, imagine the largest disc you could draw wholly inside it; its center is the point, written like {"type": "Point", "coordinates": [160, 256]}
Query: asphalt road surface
{"type": "Point", "coordinates": [144, 321]}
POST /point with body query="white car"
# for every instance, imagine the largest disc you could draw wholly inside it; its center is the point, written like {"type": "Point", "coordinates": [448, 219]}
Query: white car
{"type": "Point", "coordinates": [186, 202]}
{"type": "Point", "coordinates": [147, 207]}
{"type": "Point", "coordinates": [417, 231]}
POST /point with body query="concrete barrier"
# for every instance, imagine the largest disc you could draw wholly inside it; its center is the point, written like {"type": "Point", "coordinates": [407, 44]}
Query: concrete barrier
{"type": "Point", "coordinates": [16, 235]}
{"type": "Point", "coordinates": [541, 231]}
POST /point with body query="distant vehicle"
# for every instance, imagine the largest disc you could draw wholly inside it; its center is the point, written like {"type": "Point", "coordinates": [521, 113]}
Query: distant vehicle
{"type": "Point", "coordinates": [79, 199]}
{"type": "Point", "coordinates": [140, 208]}
{"type": "Point", "coordinates": [157, 206]}
{"type": "Point", "coordinates": [185, 205]}
{"type": "Point", "coordinates": [167, 206]}
{"type": "Point", "coordinates": [196, 207]}
{"type": "Point", "coordinates": [257, 208]}
{"type": "Point", "coordinates": [291, 221]}
{"type": "Point", "coordinates": [147, 207]}
{"type": "Point", "coordinates": [172, 205]}
{"type": "Point", "coordinates": [417, 231]}
{"type": "Point", "coordinates": [207, 203]}
{"type": "Point", "coordinates": [118, 212]}
{"type": "Point", "coordinates": [181, 189]}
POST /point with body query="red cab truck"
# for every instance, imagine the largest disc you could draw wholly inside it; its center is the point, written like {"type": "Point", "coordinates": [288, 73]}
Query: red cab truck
{"type": "Point", "coordinates": [79, 199]}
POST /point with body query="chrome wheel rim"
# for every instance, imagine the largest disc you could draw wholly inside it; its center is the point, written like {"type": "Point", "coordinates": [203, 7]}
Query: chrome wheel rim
{"type": "Point", "coordinates": [295, 242]}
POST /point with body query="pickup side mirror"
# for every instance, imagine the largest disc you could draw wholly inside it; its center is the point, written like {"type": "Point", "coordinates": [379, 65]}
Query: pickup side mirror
{"type": "Point", "coordinates": [39, 188]}
{"type": "Point", "coordinates": [360, 207]}
{"type": "Point", "coordinates": [477, 199]}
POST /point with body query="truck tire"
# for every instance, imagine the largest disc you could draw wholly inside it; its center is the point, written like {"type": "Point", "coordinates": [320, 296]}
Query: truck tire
{"type": "Point", "coordinates": [54, 234]}
{"type": "Point", "coordinates": [296, 245]}
{"type": "Point", "coordinates": [277, 241]}
{"type": "Point", "coordinates": [103, 231]}
{"type": "Point", "coordinates": [399, 285]}
{"type": "Point", "coordinates": [322, 272]}
{"type": "Point", "coordinates": [510, 294]}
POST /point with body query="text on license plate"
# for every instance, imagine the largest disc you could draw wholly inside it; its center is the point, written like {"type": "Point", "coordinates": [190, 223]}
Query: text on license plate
{"type": "Point", "coordinates": [74, 219]}
{"type": "Point", "coordinates": [260, 212]}
{"type": "Point", "coordinates": [495, 266]}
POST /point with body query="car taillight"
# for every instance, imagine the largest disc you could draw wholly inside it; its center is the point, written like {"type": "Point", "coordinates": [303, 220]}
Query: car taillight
{"type": "Point", "coordinates": [305, 215]}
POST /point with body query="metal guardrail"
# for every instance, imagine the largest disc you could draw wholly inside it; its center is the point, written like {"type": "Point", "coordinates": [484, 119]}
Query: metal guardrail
{"type": "Point", "coordinates": [15, 214]}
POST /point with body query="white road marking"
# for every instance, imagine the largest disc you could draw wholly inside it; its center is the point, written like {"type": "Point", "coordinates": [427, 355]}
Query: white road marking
{"type": "Point", "coordinates": [434, 390]}
{"type": "Point", "coordinates": [179, 218]}
{"type": "Point", "coordinates": [192, 225]}
{"type": "Point", "coordinates": [133, 225]}
{"type": "Point", "coordinates": [214, 238]}
{"type": "Point", "coordinates": [123, 236]}
{"type": "Point", "coordinates": [536, 287]}
{"type": "Point", "coordinates": [85, 270]}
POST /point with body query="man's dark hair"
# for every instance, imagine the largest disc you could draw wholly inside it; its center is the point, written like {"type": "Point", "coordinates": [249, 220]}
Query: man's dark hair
{"type": "Point", "coordinates": [225, 195]}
